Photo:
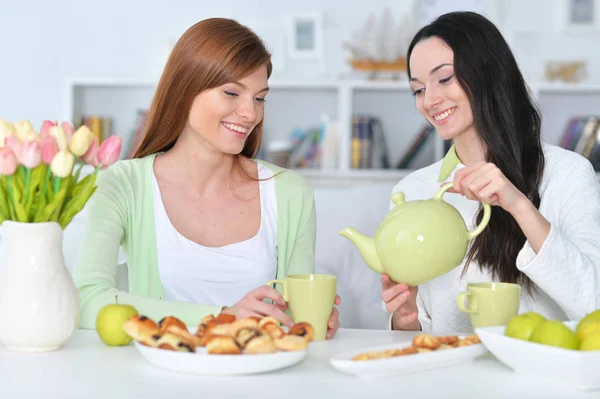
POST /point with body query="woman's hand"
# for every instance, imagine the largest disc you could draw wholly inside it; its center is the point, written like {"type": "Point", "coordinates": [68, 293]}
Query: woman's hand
{"type": "Point", "coordinates": [334, 320]}
{"type": "Point", "coordinates": [252, 305]}
{"type": "Point", "coordinates": [486, 183]}
{"type": "Point", "coordinates": [401, 300]}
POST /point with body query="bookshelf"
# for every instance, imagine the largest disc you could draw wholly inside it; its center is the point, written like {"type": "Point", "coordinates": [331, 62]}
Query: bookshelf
{"type": "Point", "coordinates": [340, 99]}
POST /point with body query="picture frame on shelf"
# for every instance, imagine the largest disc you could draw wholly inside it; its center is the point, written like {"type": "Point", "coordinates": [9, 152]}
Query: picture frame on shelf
{"type": "Point", "coordinates": [581, 16]}
{"type": "Point", "coordinates": [304, 31]}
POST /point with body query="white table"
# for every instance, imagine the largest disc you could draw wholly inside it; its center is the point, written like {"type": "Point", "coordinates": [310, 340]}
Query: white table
{"type": "Point", "coordinates": [86, 368]}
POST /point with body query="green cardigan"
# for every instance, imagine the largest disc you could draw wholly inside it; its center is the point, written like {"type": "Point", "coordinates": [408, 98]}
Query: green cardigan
{"type": "Point", "coordinates": [121, 213]}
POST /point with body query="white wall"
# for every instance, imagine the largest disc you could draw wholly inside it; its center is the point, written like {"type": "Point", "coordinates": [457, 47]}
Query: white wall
{"type": "Point", "coordinates": [44, 42]}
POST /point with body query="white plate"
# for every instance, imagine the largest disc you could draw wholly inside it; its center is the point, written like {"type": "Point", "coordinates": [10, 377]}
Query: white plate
{"type": "Point", "coordinates": [202, 363]}
{"type": "Point", "coordinates": [403, 364]}
{"type": "Point", "coordinates": [578, 368]}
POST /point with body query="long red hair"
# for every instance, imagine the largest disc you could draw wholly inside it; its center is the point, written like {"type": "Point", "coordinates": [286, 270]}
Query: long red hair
{"type": "Point", "coordinates": [211, 53]}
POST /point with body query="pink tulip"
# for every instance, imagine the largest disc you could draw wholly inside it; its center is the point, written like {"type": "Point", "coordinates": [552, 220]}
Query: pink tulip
{"type": "Point", "coordinates": [8, 162]}
{"type": "Point", "coordinates": [49, 149]}
{"type": "Point", "coordinates": [109, 150]}
{"type": "Point", "coordinates": [91, 155]}
{"type": "Point", "coordinates": [15, 145]}
{"type": "Point", "coordinates": [69, 131]}
{"type": "Point", "coordinates": [31, 154]}
{"type": "Point", "coordinates": [44, 130]}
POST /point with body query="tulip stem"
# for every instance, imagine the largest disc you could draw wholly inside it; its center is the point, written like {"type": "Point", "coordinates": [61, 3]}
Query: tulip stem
{"type": "Point", "coordinates": [27, 182]}
{"type": "Point", "coordinates": [56, 184]}
{"type": "Point", "coordinates": [77, 173]}
{"type": "Point", "coordinates": [46, 179]}
{"type": "Point", "coordinates": [11, 196]}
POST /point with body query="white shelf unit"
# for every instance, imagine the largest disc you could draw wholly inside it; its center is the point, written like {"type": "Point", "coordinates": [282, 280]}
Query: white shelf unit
{"type": "Point", "coordinates": [391, 102]}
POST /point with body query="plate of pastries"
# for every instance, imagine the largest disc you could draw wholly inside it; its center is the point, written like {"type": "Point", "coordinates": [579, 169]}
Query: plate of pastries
{"type": "Point", "coordinates": [219, 345]}
{"type": "Point", "coordinates": [425, 351]}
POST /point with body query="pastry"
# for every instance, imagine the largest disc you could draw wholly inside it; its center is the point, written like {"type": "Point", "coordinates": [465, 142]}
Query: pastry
{"type": "Point", "coordinates": [291, 343]}
{"type": "Point", "coordinates": [305, 330]}
{"type": "Point", "coordinates": [150, 340]}
{"type": "Point", "coordinates": [139, 325]}
{"type": "Point", "coordinates": [220, 345]}
{"type": "Point", "coordinates": [401, 352]}
{"type": "Point", "coordinates": [270, 326]}
{"type": "Point", "coordinates": [369, 356]}
{"type": "Point", "coordinates": [450, 340]}
{"type": "Point", "coordinates": [174, 342]}
{"type": "Point", "coordinates": [426, 341]}
{"type": "Point", "coordinates": [470, 340]}
{"type": "Point", "coordinates": [225, 318]}
{"type": "Point", "coordinates": [167, 321]}
{"type": "Point", "coordinates": [231, 329]}
{"type": "Point", "coordinates": [246, 334]}
{"type": "Point", "coordinates": [260, 344]}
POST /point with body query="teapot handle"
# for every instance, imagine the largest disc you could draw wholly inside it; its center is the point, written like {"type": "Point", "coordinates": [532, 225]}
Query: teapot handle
{"type": "Point", "coordinates": [487, 212]}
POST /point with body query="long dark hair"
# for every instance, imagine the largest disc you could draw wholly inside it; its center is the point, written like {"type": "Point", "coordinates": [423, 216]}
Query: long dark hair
{"type": "Point", "coordinates": [508, 122]}
{"type": "Point", "coordinates": [209, 54]}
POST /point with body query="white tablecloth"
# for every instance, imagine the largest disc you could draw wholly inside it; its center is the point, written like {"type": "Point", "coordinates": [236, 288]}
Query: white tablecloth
{"type": "Point", "coordinates": [86, 368]}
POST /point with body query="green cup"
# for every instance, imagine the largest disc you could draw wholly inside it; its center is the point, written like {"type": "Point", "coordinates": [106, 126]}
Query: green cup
{"type": "Point", "coordinates": [310, 298]}
{"type": "Point", "coordinates": [490, 304]}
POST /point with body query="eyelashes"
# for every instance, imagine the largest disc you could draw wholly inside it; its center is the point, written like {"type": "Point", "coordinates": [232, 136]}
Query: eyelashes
{"type": "Point", "coordinates": [442, 81]}
{"type": "Point", "coordinates": [232, 94]}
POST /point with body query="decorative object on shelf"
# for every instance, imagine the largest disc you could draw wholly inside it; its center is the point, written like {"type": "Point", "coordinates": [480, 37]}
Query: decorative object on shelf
{"type": "Point", "coordinates": [379, 47]}
{"type": "Point", "coordinates": [40, 193]}
{"type": "Point", "coordinates": [304, 34]}
{"type": "Point", "coordinates": [568, 71]}
{"type": "Point", "coordinates": [581, 15]}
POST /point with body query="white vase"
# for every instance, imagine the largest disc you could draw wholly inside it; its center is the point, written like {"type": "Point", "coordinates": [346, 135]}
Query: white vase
{"type": "Point", "coordinates": [39, 304]}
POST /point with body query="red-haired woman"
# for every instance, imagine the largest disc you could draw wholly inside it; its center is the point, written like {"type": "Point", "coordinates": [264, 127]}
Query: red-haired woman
{"type": "Point", "coordinates": [203, 224]}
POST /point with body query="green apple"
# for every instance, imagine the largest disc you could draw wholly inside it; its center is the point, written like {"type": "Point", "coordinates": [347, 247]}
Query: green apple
{"type": "Point", "coordinates": [522, 326]}
{"type": "Point", "coordinates": [555, 333]}
{"type": "Point", "coordinates": [591, 342]}
{"type": "Point", "coordinates": [590, 317]}
{"type": "Point", "coordinates": [109, 323]}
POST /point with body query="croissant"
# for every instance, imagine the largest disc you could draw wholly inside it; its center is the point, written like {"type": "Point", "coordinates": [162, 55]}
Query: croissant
{"type": "Point", "coordinates": [225, 318]}
{"type": "Point", "coordinates": [450, 340]}
{"type": "Point", "coordinates": [426, 341]}
{"type": "Point", "coordinates": [270, 326]}
{"type": "Point", "coordinates": [138, 326]}
{"type": "Point", "coordinates": [291, 343]}
{"type": "Point", "coordinates": [260, 344]}
{"type": "Point", "coordinates": [302, 329]}
{"type": "Point", "coordinates": [167, 321]}
{"type": "Point", "coordinates": [220, 345]}
{"type": "Point", "coordinates": [175, 342]}
{"type": "Point", "coordinates": [246, 334]}
{"type": "Point", "coordinates": [231, 329]}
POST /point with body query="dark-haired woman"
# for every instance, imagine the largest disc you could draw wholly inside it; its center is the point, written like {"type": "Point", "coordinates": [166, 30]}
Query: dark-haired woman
{"type": "Point", "coordinates": [203, 224]}
{"type": "Point", "coordinates": [544, 231]}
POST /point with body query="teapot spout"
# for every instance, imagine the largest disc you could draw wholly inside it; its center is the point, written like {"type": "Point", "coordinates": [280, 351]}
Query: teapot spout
{"type": "Point", "coordinates": [366, 247]}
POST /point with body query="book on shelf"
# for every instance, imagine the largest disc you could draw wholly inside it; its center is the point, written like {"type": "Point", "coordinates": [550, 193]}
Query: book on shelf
{"type": "Point", "coordinates": [582, 135]}
{"type": "Point", "coordinates": [368, 147]}
{"type": "Point", "coordinates": [100, 126]}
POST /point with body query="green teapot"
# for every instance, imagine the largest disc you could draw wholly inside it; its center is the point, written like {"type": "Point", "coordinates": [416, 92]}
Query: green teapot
{"type": "Point", "coordinates": [417, 240]}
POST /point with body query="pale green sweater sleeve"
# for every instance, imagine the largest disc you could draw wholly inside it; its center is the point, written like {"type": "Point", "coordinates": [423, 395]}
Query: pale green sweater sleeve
{"type": "Point", "coordinates": [302, 260]}
{"type": "Point", "coordinates": [107, 215]}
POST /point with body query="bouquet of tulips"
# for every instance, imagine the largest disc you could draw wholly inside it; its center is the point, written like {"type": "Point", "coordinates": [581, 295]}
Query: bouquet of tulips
{"type": "Point", "coordinates": [40, 173]}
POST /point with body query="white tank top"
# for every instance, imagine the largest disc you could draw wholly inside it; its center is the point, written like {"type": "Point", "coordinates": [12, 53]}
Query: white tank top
{"type": "Point", "coordinates": [221, 276]}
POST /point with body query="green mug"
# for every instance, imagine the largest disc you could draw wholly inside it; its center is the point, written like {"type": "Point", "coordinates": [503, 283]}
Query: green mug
{"type": "Point", "coordinates": [310, 298]}
{"type": "Point", "coordinates": [490, 304]}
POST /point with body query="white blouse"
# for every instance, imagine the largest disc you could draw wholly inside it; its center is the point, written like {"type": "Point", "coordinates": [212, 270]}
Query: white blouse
{"type": "Point", "coordinates": [566, 271]}
{"type": "Point", "coordinates": [219, 276]}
